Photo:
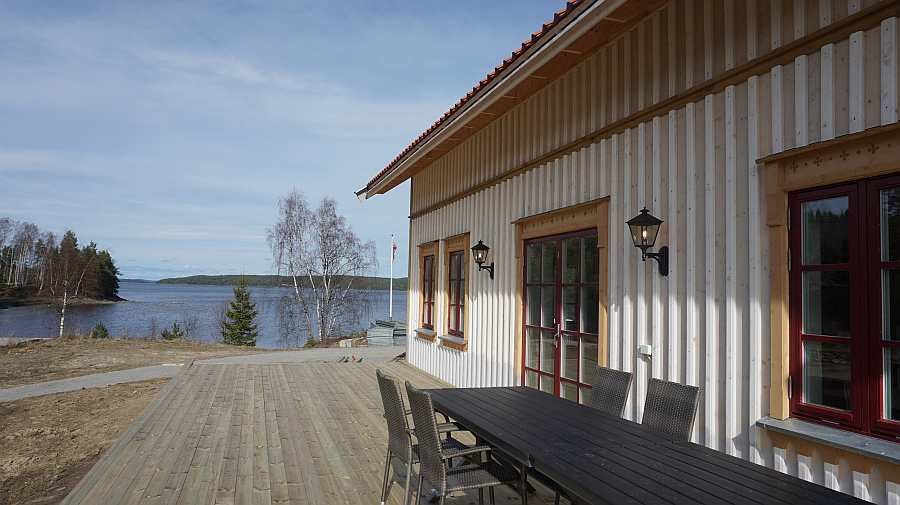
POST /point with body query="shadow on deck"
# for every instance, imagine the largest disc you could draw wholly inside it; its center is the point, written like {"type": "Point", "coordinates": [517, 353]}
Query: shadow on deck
{"type": "Point", "coordinates": [308, 433]}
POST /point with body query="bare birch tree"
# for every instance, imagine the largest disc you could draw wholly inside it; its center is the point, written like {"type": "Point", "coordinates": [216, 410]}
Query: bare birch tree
{"type": "Point", "coordinates": [318, 249]}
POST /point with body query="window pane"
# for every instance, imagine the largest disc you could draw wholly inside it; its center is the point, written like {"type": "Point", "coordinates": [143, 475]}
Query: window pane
{"type": "Point", "coordinates": [533, 264]}
{"type": "Point", "coordinates": [890, 304]}
{"type": "Point", "coordinates": [531, 379]}
{"type": "Point", "coordinates": [547, 384]}
{"type": "Point", "coordinates": [569, 306]}
{"type": "Point", "coordinates": [569, 358]}
{"type": "Point", "coordinates": [454, 267]}
{"type": "Point", "coordinates": [533, 314]}
{"type": "Point", "coordinates": [826, 303]}
{"type": "Point", "coordinates": [571, 260]}
{"type": "Point", "coordinates": [890, 224]}
{"type": "Point", "coordinates": [548, 307]}
{"type": "Point", "coordinates": [454, 324]}
{"type": "Point", "coordinates": [826, 374]}
{"type": "Point", "coordinates": [548, 351]}
{"type": "Point", "coordinates": [591, 268]}
{"type": "Point", "coordinates": [548, 263]}
{"type": "Point", "coordinates": [429, 267]}
{"type": "Point", "coordinates": [892, 384]}
{"type": "Point", "coordinates": [532, 346]}
{"type": "Point", "coordinates": [584, 396]}
{"type": "Point", "coordinates": [568, 391]}
{"type": "Point", "coordinates": [590, 309]}
{"type": "Point", "coordinates": [588, 359]}
{"type": "Point", "coordinates": [825, 231]}
{"type": "Point", "coordinates": [454, 298]}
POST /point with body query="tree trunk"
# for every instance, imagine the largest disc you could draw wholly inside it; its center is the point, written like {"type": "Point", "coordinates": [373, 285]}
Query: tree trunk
{"type": "Point", "coordinates": [62, 313]}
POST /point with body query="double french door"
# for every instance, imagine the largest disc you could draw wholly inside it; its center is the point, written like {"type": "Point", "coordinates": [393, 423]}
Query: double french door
{"type": "Point", "coordinates": [562, 308]}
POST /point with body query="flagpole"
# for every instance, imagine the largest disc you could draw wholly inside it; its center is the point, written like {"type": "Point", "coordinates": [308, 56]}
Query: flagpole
{"type": "Point", "coordinates": [391, 296]}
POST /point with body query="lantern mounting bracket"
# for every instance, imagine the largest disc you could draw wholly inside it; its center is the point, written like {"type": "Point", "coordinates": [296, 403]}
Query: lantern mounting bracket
{"type": "Point", "coordinates": [661, 257]}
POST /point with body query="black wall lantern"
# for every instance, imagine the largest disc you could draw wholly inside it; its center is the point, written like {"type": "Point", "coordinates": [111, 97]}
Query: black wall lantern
{"type": "Point", "coordinates": [644, 228]}
{"type": "Point", "coordinates": [480, 253]}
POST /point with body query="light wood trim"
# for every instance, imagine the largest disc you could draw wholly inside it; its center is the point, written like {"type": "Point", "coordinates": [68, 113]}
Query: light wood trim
{"type": "Point", "coordinates": [863, 20]}
{"type": "Point", "coordinates": [592, 214]}
{"type": "Point", "coordinates": [866, 154]}
{"type": "Point", "coordinates": [454, 244]}
{"type": "Point", "coordinates": [426, 249]}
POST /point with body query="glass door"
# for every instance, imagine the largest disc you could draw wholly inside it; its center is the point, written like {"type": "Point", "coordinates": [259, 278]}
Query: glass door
{"type": "Point", "coordinates": [561, 305]}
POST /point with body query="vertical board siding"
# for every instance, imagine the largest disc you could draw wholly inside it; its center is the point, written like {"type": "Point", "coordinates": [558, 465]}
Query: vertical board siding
{"type": "Point", "coordinates": [702, 39]}
{"type": "Point", "coordinates": [694, 167]}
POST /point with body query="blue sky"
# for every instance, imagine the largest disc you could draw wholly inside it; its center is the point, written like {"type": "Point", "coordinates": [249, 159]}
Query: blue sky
{"type": "Point", "coordinates": [166, 131]}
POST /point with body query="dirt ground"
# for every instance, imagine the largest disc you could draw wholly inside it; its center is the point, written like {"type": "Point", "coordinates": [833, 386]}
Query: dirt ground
{"type": "Point", "coordinates": [40, 361]}
{"type": "Point", "coordinates": [50, 442]}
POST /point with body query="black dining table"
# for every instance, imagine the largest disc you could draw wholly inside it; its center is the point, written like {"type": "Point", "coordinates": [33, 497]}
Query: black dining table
{"type": "Point", "coordinates": [595, 458]}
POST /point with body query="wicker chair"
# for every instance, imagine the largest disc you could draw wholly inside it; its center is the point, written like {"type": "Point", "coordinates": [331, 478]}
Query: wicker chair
{"type": "Point", "coordinates": [609, 392]}
{"type": "Point", "coordinates": [402, 453]}
{"type": "Point", "coordinates": [434, 458]}
{"type": "Point", "coordinates": [670, 408]}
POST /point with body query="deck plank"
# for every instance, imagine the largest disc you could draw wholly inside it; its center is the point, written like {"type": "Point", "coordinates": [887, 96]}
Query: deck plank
{"type": "Point", "coordinates": [274, 434]}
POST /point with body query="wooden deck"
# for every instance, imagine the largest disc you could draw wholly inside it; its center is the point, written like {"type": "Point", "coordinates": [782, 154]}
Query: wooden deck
{"type": "Point", "coordinates": [308, 433]}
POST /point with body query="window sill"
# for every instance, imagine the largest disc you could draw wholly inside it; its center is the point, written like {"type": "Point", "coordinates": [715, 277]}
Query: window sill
{"type": "Point", "coordinates": [454, 342]}
{"type": "Point", "coordinates": [849, 441]}
{"type": "Point", "coordinates": [425, 334]}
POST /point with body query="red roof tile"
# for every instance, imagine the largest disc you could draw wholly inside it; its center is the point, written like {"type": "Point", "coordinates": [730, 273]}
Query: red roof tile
{"type": "Point", "coordinates": [557, 17]}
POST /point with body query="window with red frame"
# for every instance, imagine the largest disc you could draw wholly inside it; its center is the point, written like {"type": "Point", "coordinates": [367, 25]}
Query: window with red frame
{"type": "Point", "coordinates": [428, 292]}
{"type": "Point", "coordinates": [456, 289]}
{"type": "Point", "coordinates": [845, 305]}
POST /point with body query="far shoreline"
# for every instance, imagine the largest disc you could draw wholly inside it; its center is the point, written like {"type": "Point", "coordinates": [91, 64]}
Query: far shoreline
{"type": "Point", "coordinates": [10, 302]}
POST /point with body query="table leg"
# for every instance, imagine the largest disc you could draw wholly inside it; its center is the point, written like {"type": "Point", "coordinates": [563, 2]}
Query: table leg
{"type": "Point", "coordinates": [524, 484]}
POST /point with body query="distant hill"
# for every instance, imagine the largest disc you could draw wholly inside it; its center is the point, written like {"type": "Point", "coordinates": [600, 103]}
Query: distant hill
{"type": "Point", "coordinates": [280, 280]}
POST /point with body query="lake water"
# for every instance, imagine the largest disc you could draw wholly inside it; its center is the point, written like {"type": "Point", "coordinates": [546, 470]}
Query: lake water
{"type": "Point", "coordinates": [152, 307]}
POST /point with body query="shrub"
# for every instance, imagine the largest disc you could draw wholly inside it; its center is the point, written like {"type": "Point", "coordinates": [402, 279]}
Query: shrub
{"type": "Point", "coordinates": [175, 333]}
{"type": "Point", "coordinates": [99, 331]}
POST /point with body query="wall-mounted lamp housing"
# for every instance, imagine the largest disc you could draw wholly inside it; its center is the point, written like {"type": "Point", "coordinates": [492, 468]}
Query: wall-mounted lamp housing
{"type": "Point", "coordinates": [480, 253]}
{"type": "Point", "coordinates": [644, 229]}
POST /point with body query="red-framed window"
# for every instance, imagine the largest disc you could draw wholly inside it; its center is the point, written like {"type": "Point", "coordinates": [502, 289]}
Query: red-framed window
{"type": "Point", "coordinates": [428, 292]}
{"type": "Point", "coordinates": [845, 305]}
{"type": "Point", "coordinates": [456, 291]}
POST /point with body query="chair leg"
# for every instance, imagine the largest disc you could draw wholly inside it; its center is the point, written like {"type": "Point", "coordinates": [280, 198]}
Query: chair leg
{"type": "Point", "coordinates": [384, 483]}
{"type": "Point", "coordinates": [419, 489]}
{"type": "Point", "coordinates": [491, 494]}
{"type": "Point", "coordinates": [481, 496]}
{"type": "Point", "coordinates": [407, 492]}
{"type": "Point", "coordinates": [556, 500]}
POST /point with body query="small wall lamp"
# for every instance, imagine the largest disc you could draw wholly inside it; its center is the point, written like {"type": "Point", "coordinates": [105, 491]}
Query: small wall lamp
{"type": "Point", "coordinates": [644, 229]}
{"type": "Point", "coordinates": [480, 253]}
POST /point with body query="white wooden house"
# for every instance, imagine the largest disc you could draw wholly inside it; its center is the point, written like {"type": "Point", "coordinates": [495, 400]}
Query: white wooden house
{"type": "Point", "coordinates": [764, 134]}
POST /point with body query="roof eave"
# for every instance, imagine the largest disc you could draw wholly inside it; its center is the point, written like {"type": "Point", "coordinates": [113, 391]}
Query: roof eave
{"type": "Point", "coordinates": [550, 45]}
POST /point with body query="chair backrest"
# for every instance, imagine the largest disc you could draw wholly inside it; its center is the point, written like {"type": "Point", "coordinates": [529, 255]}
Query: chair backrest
{"type": "Point", "coordinates": [395, 415]}
{"type": "Point", "coordinates": [609, 392]}
{"type": "Point", "coordinates": [430, 460]}
{"type": "Point", "coordinates": [670, 408]}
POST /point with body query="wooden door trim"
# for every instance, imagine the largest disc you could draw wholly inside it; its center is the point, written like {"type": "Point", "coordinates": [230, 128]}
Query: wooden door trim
{"type": "Point", "coordinates": [587, 215]}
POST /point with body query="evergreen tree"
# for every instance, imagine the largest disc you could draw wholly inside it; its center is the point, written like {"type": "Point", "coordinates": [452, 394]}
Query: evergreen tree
{"type": "Point", "coordinates": [239, 327]}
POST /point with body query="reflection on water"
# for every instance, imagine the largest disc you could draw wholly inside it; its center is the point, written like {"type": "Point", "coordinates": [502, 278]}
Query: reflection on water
{"type": "Point", "coordinates": [152, 307]}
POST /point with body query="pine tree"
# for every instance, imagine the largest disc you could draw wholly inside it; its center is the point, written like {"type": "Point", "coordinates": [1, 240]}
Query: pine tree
{"type": "Point", "coordinates": [239, 326]}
